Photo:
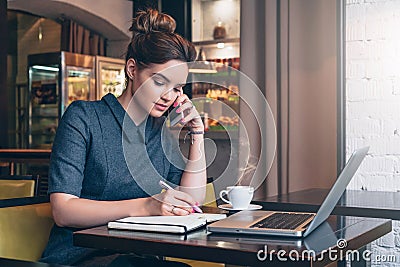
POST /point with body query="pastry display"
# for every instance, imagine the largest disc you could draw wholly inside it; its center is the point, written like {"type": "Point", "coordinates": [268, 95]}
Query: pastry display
{"type": "Point", "coordinates": [78, 89]}
{"type": "Point", "coordinates": [43, 92]}
{"type": "Point", "coordinates": [223, 123]}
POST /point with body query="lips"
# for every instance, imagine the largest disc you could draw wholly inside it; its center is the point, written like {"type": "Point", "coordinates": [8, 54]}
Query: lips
{"type": "Point", "coordinates": [160, 107]}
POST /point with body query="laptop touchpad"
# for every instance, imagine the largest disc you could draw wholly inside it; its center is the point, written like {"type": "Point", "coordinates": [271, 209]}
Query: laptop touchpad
{"type": "Point", "coordinates": [249, 216]}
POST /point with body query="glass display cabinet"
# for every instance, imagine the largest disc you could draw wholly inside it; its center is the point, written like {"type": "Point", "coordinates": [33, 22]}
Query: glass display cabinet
{"type": "Point", "coordinates": [216, 35]}
{"type": "Point", "coordinates": [110, 76]}
{"type": "Point", "coordinates": [55, 80]}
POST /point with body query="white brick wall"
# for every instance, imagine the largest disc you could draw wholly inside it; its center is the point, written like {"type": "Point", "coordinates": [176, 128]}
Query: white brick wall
{"type": "Point", "coordinates": [373, 102]}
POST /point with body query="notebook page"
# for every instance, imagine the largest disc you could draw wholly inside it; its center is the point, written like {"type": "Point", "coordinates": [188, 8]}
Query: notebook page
{"type": "Point", "coordinates": [185, 220]}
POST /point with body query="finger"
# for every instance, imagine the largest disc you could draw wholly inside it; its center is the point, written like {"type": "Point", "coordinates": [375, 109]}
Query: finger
{"type": "Point", "coordinates": [189, 111]}
{"type": "Point", "coordinates": [181, 204]}
{"type": "Point", "coordinates": [174, 200]}
{"type": "Point", "coordinates": [189, 117]}
{"type": "Point", "coordinates": [186, 198]}
{"type": "Point", "coordinates": [167, 210]}
{"type": "Point", "coordinates": [193, 117]}
{"type": "Point", "coordinates": [169, 198]}
{"type": "Point", "coordinates": [181, 99]}
{"type": "Point", "coordinates": [180, 212]}
{"type": "Point", "coordinates": [186, 107]}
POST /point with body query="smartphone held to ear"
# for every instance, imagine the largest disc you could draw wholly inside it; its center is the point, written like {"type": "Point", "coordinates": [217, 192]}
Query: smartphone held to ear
{"type": "Point", "coordinates": [175, 117]}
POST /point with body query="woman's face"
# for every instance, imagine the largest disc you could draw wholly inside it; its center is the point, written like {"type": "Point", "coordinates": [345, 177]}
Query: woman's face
{"type": "Point", "coordinates": [155, 88]}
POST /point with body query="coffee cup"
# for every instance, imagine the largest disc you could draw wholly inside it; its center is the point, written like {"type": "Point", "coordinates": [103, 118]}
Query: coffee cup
{"type": "Point", "coordinates": [238, 196]}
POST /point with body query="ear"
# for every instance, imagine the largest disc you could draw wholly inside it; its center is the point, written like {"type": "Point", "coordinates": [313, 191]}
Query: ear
{"type": "Point", "coordinates": [130, 68]}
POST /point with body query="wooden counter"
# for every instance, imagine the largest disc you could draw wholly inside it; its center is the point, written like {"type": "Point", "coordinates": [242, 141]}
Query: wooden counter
{"type": "Point", "coordinates": [8, 157]}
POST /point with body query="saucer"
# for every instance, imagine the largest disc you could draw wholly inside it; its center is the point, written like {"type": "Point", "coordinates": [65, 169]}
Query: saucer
{"type": "Point", "coordinates": [250, 207]}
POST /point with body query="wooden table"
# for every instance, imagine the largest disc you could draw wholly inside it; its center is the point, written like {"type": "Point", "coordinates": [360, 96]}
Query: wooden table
{"type": "Point", "coordinates": [353, 203]}
{"type": "Point", "coordinates": [242, 249]}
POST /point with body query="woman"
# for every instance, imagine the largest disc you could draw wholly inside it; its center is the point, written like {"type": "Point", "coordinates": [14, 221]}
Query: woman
{"type": "Point", "coordinates": [91, 181]}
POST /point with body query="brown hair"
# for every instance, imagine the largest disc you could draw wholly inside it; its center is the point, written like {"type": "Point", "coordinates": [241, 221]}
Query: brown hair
{"type": "Point", "coordinates": [155, 42]}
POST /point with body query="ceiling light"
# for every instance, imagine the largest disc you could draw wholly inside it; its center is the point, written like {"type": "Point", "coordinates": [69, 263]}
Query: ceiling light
{"type": "Point", "coordinates": [220, 45]}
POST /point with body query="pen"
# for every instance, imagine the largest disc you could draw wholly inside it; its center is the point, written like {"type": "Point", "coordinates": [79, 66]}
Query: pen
{"type": "Point", "coordinates": [167, 186]}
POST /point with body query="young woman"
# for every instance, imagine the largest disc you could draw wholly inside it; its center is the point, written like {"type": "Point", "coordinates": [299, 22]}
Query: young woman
{"type": "Point", "coordinates": [91, 178]}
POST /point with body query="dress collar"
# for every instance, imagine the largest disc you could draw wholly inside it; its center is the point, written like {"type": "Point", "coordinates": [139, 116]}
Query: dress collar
{"type": "Point", "coordinates": [133, 133]}
{"type": "Point", "coordinates": [115, 107]}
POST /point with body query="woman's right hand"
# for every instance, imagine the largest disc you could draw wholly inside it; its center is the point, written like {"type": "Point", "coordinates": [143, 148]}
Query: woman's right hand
{"type": "Point", "coordinates": [171, 202]}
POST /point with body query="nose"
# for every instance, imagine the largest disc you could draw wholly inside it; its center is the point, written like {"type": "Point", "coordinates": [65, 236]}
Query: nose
{"type": "Point", "coordinates": [168, 95]}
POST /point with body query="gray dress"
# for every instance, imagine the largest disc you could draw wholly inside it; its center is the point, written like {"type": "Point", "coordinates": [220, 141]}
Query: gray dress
{"type": "Point", "coordinates": [88, 161]}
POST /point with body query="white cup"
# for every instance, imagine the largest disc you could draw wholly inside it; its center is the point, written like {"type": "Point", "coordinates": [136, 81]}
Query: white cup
{"type": "Point", "coordinates": [239, 196]}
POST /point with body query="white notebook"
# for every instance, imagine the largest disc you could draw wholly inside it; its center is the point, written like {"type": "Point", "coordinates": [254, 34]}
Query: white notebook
{"type": "Point", "coordinates": [166, 224]}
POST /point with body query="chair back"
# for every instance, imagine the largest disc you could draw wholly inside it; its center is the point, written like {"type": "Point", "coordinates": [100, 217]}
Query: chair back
{"type": "Point", "coordinates": [24, 230]}
{"type": "Point", "coordinates": [18, 186]}
{"type": "Point", "coordinates": [210, 200]}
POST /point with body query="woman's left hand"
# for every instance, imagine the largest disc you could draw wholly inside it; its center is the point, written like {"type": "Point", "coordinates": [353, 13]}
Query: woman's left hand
{"type": "Point", "coordinates": [191, 117]}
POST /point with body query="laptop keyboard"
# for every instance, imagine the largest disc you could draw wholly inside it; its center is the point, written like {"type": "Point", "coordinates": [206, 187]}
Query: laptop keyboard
{"type": "Point", "coordinates": [282, 220]}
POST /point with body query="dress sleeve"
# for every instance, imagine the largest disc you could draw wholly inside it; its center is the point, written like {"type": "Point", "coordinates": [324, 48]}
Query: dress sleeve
{"type": "Point", "coordinates": [68, 156]}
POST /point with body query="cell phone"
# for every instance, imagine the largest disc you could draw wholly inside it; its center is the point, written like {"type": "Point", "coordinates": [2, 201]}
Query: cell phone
{"type": "Point", "coordinates": [174, 117]}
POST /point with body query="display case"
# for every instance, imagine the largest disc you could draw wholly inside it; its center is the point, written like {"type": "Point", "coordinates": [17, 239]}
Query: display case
{"type": "Point", "coordinates": [215, 92]}
{"type": "Point", "coordinates": [216, 36]}
{"type": "Point", "coordinates": [55, 80]}
{"type": "Point", "coordinates": [77, 85]}
{"type": "Point", "coordinates": [110, 76]}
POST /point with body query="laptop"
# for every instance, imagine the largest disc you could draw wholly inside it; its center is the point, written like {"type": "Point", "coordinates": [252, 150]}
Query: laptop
{"type": "Point", "coordinates": [295, 224]}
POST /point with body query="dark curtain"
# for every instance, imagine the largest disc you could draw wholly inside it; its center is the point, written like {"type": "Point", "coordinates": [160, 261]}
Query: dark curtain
{"type": "Point", "coordinates": [77, 39]}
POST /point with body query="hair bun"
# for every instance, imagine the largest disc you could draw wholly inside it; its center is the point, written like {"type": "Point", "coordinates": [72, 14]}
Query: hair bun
{"type": "Point", "coordinates": [152, 21]}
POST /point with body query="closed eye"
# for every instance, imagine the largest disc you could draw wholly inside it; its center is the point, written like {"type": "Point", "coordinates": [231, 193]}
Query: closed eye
{"type": "Point", "coordinates": [159, 83]}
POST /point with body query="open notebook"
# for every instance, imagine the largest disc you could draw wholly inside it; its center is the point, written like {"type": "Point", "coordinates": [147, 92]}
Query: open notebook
{"type": "Point", "coordinates": [166, 224]}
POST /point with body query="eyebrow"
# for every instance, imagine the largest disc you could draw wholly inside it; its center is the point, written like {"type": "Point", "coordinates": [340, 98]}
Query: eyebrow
{"type": "Point", "coordinates": [167, 80]}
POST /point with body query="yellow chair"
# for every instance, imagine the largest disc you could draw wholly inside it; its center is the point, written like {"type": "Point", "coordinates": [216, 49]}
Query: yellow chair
{"type": "Point", "coordinates": [24, 231]}
{"type": "Point", "coordinates": [209, 201]}
{"type": "Point", "coordinates": [18, 186]}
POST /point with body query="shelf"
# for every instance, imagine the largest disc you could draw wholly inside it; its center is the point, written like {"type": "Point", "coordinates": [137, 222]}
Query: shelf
{"type": "Point", "coordinates": [74, 79]}
{"type": "Point", "coordinates": [212, 42]}
{"type": "Point", "coordinates": [41, 133]}
{"type": "Point", "coordinates": [40, 106]}
{"type": "Point", "coordinates": [45, 116]}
